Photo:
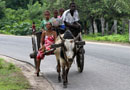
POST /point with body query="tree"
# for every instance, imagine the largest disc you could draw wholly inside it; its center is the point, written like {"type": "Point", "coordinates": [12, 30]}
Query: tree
{"type": "Point", "coordinates": [2, 7]}
{"type": "Point", "coordinates": [16, 4]}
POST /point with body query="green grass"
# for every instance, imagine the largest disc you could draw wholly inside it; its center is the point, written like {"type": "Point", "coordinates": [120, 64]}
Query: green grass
{"type": "Point", "coordinates": [110, 38]}
{"type": "Point", "coordinates": [11, 77]}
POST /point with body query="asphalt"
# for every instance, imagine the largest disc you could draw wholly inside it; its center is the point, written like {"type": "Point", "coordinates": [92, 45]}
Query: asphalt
{"type": "Point", "coordinates": [107, 66]}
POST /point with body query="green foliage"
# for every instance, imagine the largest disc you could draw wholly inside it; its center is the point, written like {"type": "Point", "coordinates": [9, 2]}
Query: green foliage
{"type": "Point", "coordinates": [35, 10]}
{"type": "Point", "coordinates": [21, 28]}
{"type": "Point", "coordinates": [18, 15]}
{"type": "Point", "coordinates": [2, 7]}
{"type": "Point", "coordinates": [19, 21]}
{"type": "Point", "coordinates": [111, 38]}
{"type": "Point", "coordinates": [15, 4]}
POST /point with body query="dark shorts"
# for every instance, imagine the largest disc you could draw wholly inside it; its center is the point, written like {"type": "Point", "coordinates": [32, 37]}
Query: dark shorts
{"type": "Point", "coordinates": [75, 32]}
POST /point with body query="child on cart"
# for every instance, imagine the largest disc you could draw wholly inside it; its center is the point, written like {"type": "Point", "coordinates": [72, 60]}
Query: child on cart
{"type": "Point", "coordinates": [45, 20]}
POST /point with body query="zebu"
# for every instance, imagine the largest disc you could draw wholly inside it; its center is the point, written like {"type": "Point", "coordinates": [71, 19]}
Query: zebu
{"type": "Point", "coordinates": [65, 52]}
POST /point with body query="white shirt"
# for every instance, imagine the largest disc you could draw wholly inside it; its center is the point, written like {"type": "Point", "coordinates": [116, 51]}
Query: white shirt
{"type": "Point", "coordinates": [55, 21]}
{"type": "Point", "coordinates": [70, 19]}
{"type": "Point", "coordinates": [61, 20]}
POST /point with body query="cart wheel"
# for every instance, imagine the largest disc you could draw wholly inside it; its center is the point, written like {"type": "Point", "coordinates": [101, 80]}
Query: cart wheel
{"type": "Point", "coordinates": [80, 60]}
{"type": "Point", "coordinates": [34, 50]}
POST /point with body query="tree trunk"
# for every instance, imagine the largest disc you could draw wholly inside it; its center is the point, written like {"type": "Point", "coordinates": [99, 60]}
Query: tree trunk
{"type": "Point", "coordinates": [129, 30]}
{"type": "Point", "coordinates": [95, 27]}
{"type": "Point", "coordinates": [115, 26]}
{"type": "Point", "coordinates": [123, 26]}
{"type": "Point", "coordinates": [107, 27]}
{"type": "Point", "coordinates": [85, 28]}
{"type": "Point", "coordinates": [112, 28]}
{"type": "Point", "coordinates": [92, 19]}
{"type": "Point", "coordinates": [91, 30]}
{"type": "Point", "coordinates": [102, 25]}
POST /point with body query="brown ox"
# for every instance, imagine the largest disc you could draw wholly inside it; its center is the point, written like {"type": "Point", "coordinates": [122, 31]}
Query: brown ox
{"type": "Point", "coordinates": [65, 53]}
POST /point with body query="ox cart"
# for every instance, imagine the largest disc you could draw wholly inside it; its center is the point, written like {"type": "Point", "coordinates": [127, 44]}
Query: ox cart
{"type": "Point", "coordinates": [36, 37]}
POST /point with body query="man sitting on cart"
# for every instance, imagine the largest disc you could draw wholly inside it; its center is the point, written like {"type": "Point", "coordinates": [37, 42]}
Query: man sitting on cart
{"type": "Point", "coordinates": [71, 19]}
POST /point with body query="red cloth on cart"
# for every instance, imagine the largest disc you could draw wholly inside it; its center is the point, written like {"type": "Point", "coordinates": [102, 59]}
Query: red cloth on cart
{"type": "Point", "coordinates": [49, 40]}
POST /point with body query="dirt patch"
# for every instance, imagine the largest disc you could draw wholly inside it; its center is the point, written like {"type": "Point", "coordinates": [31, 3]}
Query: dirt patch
{"type": "Point", "coordinates": [37, 83]}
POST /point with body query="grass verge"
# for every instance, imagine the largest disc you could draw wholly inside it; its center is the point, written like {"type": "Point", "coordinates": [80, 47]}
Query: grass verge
{"type": "Point", "coordinates": [109, 38]}
{"type": "Point", "coordinates": [11, 77]}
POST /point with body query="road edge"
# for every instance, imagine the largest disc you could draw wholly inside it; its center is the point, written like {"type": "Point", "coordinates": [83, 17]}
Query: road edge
{"type": "Point", "coordinates": [37, 83]}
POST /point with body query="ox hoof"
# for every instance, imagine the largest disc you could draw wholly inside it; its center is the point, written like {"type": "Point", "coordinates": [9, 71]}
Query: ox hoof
{"type": "Point", "coordinates": [59, 79]}
{"type": "Point", "coordinates": [64, 85]}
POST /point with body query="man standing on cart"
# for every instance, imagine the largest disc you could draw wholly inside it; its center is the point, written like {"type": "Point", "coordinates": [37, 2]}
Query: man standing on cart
{"type": "Point", "coordinates": [71, 19]}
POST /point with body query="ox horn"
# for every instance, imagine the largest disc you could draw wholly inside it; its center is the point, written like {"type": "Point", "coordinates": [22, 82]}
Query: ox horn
{"type": "Point", "coordinates": [77, 37]}
{"type": "Point", "coordinates": [61, 38]}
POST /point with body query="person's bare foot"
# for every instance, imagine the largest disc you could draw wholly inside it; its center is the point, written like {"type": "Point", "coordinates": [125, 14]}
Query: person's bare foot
{"type": "Point", "coordinates": [37, 72]}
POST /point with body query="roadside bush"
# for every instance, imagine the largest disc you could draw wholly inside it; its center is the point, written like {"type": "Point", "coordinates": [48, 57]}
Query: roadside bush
{"type": "Point", "coordinates": [111, 38]}
{"type": "Point", "coordinates": [21, 29]}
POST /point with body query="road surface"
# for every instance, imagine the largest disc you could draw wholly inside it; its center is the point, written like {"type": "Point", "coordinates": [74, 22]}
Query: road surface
{"type": "Point", "coordinates": [107, 67]}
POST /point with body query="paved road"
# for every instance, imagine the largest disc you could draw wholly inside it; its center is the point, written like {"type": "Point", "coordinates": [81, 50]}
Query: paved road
{"type": "Point", "coordinates": [107, 67]}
